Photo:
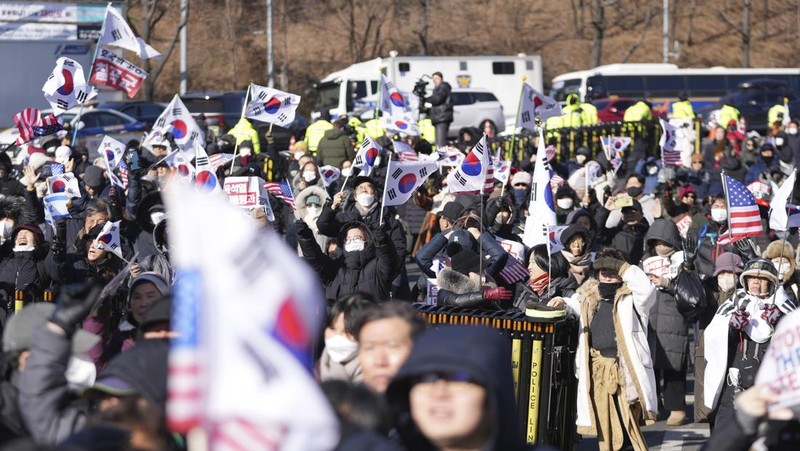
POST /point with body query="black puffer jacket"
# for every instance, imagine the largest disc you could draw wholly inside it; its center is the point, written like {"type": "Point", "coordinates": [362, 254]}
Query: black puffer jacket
{"type": "Point", "coordinates": [669, 328]}
{"type": "Point", "coordinates": [369, 271]}
{"type": "Point", "coordinates": [331, 222]}
{"type": "Point", "coordinates": [442, 109]}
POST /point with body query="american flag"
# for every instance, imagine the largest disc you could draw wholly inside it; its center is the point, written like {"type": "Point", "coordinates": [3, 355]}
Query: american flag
{"type": "Point", "coordinates": [282, 191]}
{"type": "Point", "coordinates": [743, 215]}
{"type": "Point", "coordinates": [57, 168]}
{"type": "Point", "coordinates": [31, 124]}
{"type": "Point", "coordinates": [670, 154]}
{"type": "Point", "coordinates": [122, 168]}
{"type": "Point", "coordinates": [404, 151]}
{"type": "Point", "coordinates": [513, 272]}
{"type": "Point", "coordinates": [219, 159]}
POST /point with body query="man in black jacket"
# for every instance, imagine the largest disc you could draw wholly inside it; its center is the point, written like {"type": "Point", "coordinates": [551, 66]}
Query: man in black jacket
{"type": "Point", "coordinates": [441, 112]}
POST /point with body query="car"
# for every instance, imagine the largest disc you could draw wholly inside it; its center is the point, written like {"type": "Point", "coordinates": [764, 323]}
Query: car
{"type": "Point", "coordinates": [474, 107]}
{"type": "Point", "coordinates": [753, 99]}
{"type": "Point", "coordinates": [147, 112]}
{"type": "Point", "coordinates": [92, 125]}
{"type": "Point", "coordinates": [222, 110]}
{"type": "Point", "coordinates": [612, 109]}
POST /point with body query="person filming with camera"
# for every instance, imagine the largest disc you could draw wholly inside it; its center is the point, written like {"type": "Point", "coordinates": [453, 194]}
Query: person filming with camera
{"type": "Point", "coordinates": [441, 110]}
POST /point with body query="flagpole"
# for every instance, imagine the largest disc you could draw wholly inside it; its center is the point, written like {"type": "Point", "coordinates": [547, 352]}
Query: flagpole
{"type": "Point", "coordinates": [289, 184]}
{"type": "Point", "coordinates": [346, 178]}
{"type": "Point", "coordinates": [244, 109]}
{"type": "Point", "coordinates": [727, 207]}
{"type": "Point", "coordinates": [91, 70]}
{"type": "Point", "coordinates": [516, 119]}
{"type": "Point", "coordinates": [380, 90]}
{"type": "Point", "coordinates": [385, 183]}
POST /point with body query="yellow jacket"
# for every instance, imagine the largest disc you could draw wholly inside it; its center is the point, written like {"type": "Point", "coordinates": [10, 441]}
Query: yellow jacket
{"type": "Point", "coordinates": [589, 114]}
{"type": "Point", "coordinates": [374, 128]}
{"type": "Point", "coordinates": [638, 112]}
{"type": "Point", "coordinates": [682, 110]}
{"type": "Point", "coordinates": [243, 131]}
{"type": "Point", "coordinates": [427, 130]}
{"type": "Point", "coordinates": [314, 133]}
{"type": "Point", "coordinates": [726, 114]}
{"type": "Point", "coordinates": [772, 114]}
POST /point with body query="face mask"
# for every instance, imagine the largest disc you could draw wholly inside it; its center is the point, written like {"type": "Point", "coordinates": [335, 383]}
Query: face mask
{"type": "Point", "coordinates": [782, 272]}
{"type": "Point", "coordinates": [652, 170]}
{"type": "Point", "coordinates": [519, 195]}
{"type": "Point", "coordinates": [499, 220]}
{"type": "Point", "coordinates": [609, 289]}
{"type": "Point", "coordinates": [778, 141]}
{"type": "Point", "coordinates": [157, 217]}
{"type": "Point", "coordinates": [5, 229]}
{"type": "Point", "coordinates": [365, 199]}
{"type": "Point", "coordinates": [312, 211]}
{"type": "Point", "coordinates": [719, 214]}
{"type": "Point", "coordinates": [580, 159]}
{"type": "Point", "coordinates": [298, 155]}
{"type": "Point", "coordinates": [309, 176]}
{"type": "Point", "coordinates": [791, 131]}
{"type": "Point", "coordinates": [340, 348]}
{"type": "Point", "coordinates": [80, 374]}
{"type": "Point", "coordinates": [634, 191]}
{"type": "Point", "coordinates": [346, 172]}
{"type": "Point", "coordinates": [245, 151]}
{"type": "Point", "coordinates": [564, 203]}
{"type": "Point", "coordinates": [354, 246]}
{"type": "Point", "coordinates": [726, 282]}
{"type": "Point", "coordinates": [24, 248]}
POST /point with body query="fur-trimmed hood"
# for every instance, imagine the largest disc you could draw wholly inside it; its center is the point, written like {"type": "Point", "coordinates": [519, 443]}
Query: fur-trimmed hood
{"type": "Point", "coordinates": [780, 248]}
{"type": "Point", "coordinates": [453, 281]}
{"type": "Point", "coordinates": [13, 207]}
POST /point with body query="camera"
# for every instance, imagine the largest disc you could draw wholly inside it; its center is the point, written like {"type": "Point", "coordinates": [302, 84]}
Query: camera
{"type": "Point", "coordinates": [420, 87]}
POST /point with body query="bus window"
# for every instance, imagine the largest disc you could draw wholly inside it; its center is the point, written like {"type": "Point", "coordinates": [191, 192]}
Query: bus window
{"type": "Point", "coordinates": [596, 88]}
{"type": "Point", "coordinates": [503, 68]}
{"type": "Point", "coordinates": [404, 67]}
{"type": "Point", "coordinates": [706, 85]}
{"type": "Point", "coordinates": [560, 90]}
{"type": "Point", "coordinates": [664, 85]}
{"type": "Point", "coordinates": [625, 85]}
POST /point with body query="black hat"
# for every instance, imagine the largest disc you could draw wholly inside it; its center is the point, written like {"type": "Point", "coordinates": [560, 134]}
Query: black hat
{"type": "Point", "coordinates": [572, 231]}
{"type": "Point", "coordinates": [466, 262]}
{"type": "Point", "coordinates": [141, 371]}
{"type": "Point", "coordinates": [451, 211]}
{"type": "Point", "coordinates": [93, 176]}
{"type": "Point", "coordinates": [636, 206]}
{"type": "Point", "coordinates": [363, 179]}
{"type": "Point", "coordinates": [150, 203]}
{"type": "Point", "coordinates": [159, 311]}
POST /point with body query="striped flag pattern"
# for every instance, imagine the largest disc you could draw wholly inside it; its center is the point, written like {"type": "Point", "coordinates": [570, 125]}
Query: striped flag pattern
{"type": "Point", "coordinates": [219, 159]}
{"type": "Point", "coordinates": [31, 124]}
{"type": "Point", "coordinates": [282, 191]}
{"type": "Point", "coordinates": [513, 272]}
{"type": "Point", "coordinates": [670, 154]}
{"type": "Point", "coordinates": [744, 218]}
{"type": "Point", "coordinates": [404, 151]}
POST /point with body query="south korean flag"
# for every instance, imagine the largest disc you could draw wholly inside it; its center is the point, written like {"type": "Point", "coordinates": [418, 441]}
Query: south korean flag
{"type": "Point", "coordinates": [66, 86]}
{"type": "Point", "coordinates": [271, 106]}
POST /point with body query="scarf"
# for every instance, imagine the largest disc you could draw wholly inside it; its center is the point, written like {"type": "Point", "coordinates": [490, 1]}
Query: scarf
{"type": "Point", "coordinates": [539, 284]}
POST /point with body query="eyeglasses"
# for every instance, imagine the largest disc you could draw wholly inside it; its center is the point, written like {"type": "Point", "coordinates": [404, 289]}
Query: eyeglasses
{"type": "Point", "coordinates": [355, 239]}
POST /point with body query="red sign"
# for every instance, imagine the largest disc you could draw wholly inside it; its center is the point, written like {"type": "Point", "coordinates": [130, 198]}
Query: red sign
{"type": "Point", "coordinates": [112, 70]}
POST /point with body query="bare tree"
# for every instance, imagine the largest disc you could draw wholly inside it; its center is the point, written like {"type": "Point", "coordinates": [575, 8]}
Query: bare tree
{"type": "Point", "coordinates": [422, 33]}
{"type": "Point", "coordinates": [743, 30]}
{"type": "Point", "coordinates": [690, 28]}
{"type": "Point", "coordinates": [153, 11]}
{"type": "Point", "coordinates": [645, 30]}
{"type": "Point", "coordinates": [577, 16]}
{"type": "Point", "coordinates": [364, 21]}
{"type": "Point", "coordinates": [598, 11]}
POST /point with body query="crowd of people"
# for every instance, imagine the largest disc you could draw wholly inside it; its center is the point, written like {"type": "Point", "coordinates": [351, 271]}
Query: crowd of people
{"type": "Point", "coordinates": [643, 261]}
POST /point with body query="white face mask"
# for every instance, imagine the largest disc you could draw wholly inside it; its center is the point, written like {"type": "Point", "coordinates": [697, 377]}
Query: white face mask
{"type": "Point", "coordinates": [778, 141]}
{"type": "Point", "coordinates": [652, 170]}
{"type": "Point", "coordinates": [564, 203]}
{"type": "Point", "coordinates": [298, 155]}
{"type": "Point", "coordinates": [726, 281]}
{"type": "Point", "coordinates": [157, 216]}
{"type": "Point", "coordinates": [24, 247]}
{"type": "Point", "coordinates": [346, 172]}
{"type": "Point", "coordinates": [783, 267]}
{"type": "Point", "coordinates": [791, 131]}
{"type": "Point", "coordinates": [245, 151]}
{"type": "Point", "coordinates": [340, 348]}
{"type": "Point", "coordinates": [309, 176]}
{"type": "Point", "coordinates": [6, 227]}
{"type": "Point", "coordinates": [719, 214]}
{"type": "Point", "coordinates": [312, 211]}
{"type": "Point", "coordinates": [365, 199]}
{"type": "Point", "coordinates": [80, 374]}
{"type": "Point", "coordinates": [354, 246]}
{"type": "Point", "coordinates": [580, 159]}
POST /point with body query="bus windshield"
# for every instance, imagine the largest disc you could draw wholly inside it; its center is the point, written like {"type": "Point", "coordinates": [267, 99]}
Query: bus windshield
{"type": "Point", "coordinates": [328, 95]}
{"type": "Point", "coordinates": [560, 90]}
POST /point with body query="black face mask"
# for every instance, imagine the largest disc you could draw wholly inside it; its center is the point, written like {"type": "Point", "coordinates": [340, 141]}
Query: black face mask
{"type": "Point", "coordinates": [609, 289]}
{"type": "Point", "coordinates": [634, 191]}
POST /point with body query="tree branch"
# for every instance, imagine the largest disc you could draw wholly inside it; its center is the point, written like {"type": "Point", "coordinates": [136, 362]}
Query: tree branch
{"type": "Point", "coordinates": [730, 23]}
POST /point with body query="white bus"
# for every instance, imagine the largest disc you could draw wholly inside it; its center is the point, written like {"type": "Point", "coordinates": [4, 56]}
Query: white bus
{"type": "Point", "coordinates": [663, 83]}
{"type": "Point", "coordinates": [354, 88]}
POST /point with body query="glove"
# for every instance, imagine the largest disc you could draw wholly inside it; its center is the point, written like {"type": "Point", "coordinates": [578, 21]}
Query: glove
{"type": "Point", "coordinates": [59, 246]}
{"type": "Point", "coordinates": [496, 294]}
{"type": "Point", "coordinates": [269, 137]}
{"type": "Point", "coordinates": [689, 252]}
{"type": "Point", "coordinates": [746, 249]}
{"type": "Point", "coordinates": [76, 301]}
{"type": "Point", "coordinates": [739, 319]}
{"type": "Point", "coordinates": [302, 229]}
{"type": "Point", "coordinates": [771, 314]}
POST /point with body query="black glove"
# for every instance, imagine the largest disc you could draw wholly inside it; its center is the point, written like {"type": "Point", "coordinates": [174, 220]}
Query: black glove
{"type": "Point", "coordinates": [303, 230]}
{"type": "Point", "coordinates": [75, 302]}
{"type": "Point", "coordinates": [59, 246]}
{"type": "Point", "coordinates": [746, 249]}
{"type": "Point", "coordinates": [689, 252]}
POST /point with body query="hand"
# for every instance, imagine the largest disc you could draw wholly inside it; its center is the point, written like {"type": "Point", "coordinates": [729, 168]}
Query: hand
{"type": "Point", "coordinates": [739, 319]}
{"type": "Point", "coordinates": [557, 303]}
{"type": "Point", "coordinates": [658, 208]}
{"type": "Point", "coordinates": [69, 166]}
{"type": "Point", "coordinates": [756, 400]}
{"type": "Point", "coordinates": [136, 270]}
{"type": "Point", "coordinates": [29, 177]}
{"type": "Point", "coordinates": [269, 137]}
{"type": "Point", "coordinates": [746, 248]}
{"type": "Point", "coordinates": [74, 303]}
{"type": "Point", "coordinates": [476, 233]}
{"type": "Point", "coordinates": [771, 314]}
{"type": "Point", "coordinates": [496, 294]}
{"type": "Point", "coordinates": [689, 251]}
{"type": "Point", "coordinates": [303, 229]}
{"type": "Point", "coordinates": [338, 198]}
{"type": "Point", "coordinates": [586, 200]}
{"type": "Point", "coordinates": [611, 203]}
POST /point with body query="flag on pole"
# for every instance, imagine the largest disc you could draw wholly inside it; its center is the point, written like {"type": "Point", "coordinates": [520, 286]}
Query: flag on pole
{"type": "Point", "coordinates": [534, 105]}
{"type": "Point", "coordinates": [368, 151]}
{"type": "Point", "coordinates": [786, 116]}
{"type": "Point", "coordinates": [743, 216]}
{"type": "Point", "coordinates": [329, 174]}
{"type": "Point", "coordinates": [240, 369]}
{"type": "Point", "coordinates": [670, 153]}
{"type": "Point", "coordinates": [502, 170]}
{"type": "Point", "coordinates": [470, 175]}
{"type": "Point", "coordinates": [112, 70]}
{"type": "Point", "coordinates": [177, 120]}
{"type": "Point", "coordinates": [405, 178]}
{"type": "Point", "coordinates": [181, 166]}
{"type": "Point", "coordinates": [404, 151]}
{"type": "Point", "coordinates": [113, 152]}
{"type": "Point", "coordinates": [282, 191]}
{"type": "Point", "coordinates": [397, 115]}
{"type": "Point", "coordinates": [205, 176]}
{"type": "Point", "coordinates": [271, 105]}
{"type": "Point", "coordinates": [613, 146]}
{"type": "Point", "coordinates": [542, 206]}
{"type": "Point", "coordinates": [117, 33]}
{"type": "Point", "coordinates": [554, 243]}
{"type": "Point", "coordinates": [220, 159]}
{"type": "Point", "coordinates": [779, 218]}
{"type": "Point", "coordinates": [108, 239]}
{"type": "Point", "coordinates": [31, 124]}
{"type": "Point", "coordinates": [66, 86]}
{"type": "Point", "coordinates": [66, 184]}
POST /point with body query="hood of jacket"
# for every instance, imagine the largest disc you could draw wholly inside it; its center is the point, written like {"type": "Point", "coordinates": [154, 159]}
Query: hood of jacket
{"type": "Point", "coordinates": [334, 133]}
{"type": "Point", "coordinates": [452, 280]}
{"type": "Point", "coordinates": [663, 230]}
{"type": "Point", "coordinates": [303, 195]}
{"type": "Point", "coordinates": [484, 356]}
